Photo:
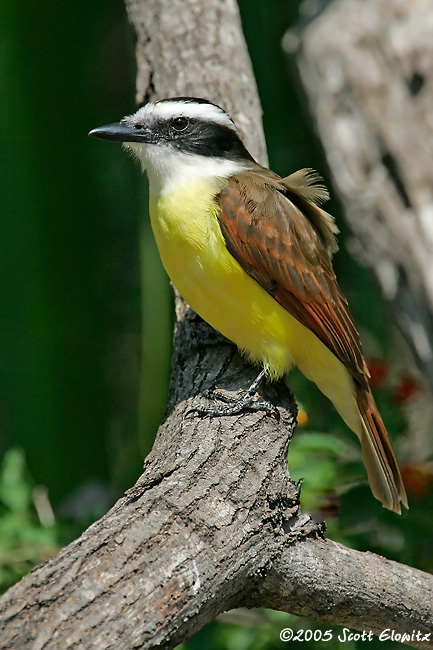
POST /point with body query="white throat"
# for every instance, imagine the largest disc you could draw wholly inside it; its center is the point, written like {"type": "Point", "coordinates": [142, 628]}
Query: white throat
{"type": "Point", "coordinates": [169, 169]}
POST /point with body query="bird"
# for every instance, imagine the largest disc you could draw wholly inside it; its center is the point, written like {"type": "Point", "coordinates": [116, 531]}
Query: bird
{"type": "Point", "coordinates": [251, 253]}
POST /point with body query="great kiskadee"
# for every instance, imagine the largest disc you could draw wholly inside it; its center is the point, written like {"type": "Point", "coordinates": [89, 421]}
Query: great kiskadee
{"type": "Point", "coordinates": [251, 253]}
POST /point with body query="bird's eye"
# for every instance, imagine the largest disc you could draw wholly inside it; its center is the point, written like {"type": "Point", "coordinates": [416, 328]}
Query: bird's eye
{"type": "Point", "coordinates": [179, 123]}
{"type": "Point", "coordinates": [138, 126]}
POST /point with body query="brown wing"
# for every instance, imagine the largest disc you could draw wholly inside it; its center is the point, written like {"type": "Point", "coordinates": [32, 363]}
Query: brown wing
{"type": "Point", "coordinates": [274, 228]}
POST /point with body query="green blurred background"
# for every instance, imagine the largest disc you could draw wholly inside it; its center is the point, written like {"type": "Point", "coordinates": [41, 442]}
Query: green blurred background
{"type": "Point", "coordinates": [86, 310]}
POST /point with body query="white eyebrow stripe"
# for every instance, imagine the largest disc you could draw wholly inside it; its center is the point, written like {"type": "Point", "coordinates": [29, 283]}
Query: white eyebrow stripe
{"type": "Point", "coordinates": [167, 110]}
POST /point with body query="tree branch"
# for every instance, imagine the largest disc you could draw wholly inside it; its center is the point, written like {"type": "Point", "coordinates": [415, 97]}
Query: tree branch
{"type": "Point", "coordinates": [214, 521]}
{"type": "Point", "coordinates": [326, 581]}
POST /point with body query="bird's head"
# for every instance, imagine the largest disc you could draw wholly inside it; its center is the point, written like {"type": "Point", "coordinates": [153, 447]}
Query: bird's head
{"type": "Point", "coordinates": [181, 133]}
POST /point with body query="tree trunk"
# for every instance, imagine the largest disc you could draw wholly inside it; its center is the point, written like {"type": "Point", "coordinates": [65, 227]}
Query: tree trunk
{"type": "Point", "coordinates": [214, 521]}
{"type": "Point", "coordinates": [367, 67]}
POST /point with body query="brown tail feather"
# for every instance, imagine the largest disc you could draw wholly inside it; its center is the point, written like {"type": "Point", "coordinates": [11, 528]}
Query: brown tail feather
{"type": "Point", "coordinates": [383, 474]}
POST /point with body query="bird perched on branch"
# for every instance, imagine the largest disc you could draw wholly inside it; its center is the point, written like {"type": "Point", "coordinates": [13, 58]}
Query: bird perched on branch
{"type": "Point", "coordinates": [251, 253]}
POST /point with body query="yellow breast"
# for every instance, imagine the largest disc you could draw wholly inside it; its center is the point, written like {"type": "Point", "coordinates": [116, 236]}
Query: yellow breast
{"type": "Point", "coordinates": [213, 283]}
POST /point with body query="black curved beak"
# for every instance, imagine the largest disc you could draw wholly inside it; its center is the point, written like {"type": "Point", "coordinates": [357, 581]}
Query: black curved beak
{"type": "Point", "coordinates": [123, 132]}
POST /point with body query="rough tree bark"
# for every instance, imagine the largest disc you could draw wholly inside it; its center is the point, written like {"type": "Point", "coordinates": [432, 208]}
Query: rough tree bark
{"type": "Point", "coordinates": [367, 69]}
{"type": "Point", "coordinates": [214, 521]}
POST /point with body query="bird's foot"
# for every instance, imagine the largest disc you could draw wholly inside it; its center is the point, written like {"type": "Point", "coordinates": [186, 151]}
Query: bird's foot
{"type": "Point", "coordinates": [234, 405]}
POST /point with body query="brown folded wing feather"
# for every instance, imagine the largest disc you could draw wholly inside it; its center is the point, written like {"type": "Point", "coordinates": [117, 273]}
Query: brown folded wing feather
{"type": "Point", "coordinates": [285, 241]}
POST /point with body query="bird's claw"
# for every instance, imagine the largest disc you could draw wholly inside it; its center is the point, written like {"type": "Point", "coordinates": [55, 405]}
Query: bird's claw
{"type": "Point", "coordinates": [234, 406]}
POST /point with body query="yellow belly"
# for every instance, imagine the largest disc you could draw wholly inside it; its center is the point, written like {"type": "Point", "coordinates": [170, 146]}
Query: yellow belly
{"type": "Point", "coordinates": [213, 283]}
